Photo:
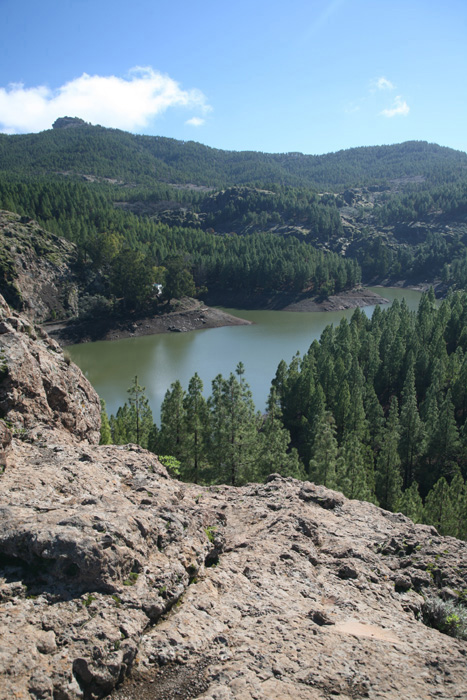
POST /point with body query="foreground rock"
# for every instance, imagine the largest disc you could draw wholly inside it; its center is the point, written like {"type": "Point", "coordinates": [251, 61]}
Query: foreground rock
{"type": "Point", "coordinates": [116, 579]}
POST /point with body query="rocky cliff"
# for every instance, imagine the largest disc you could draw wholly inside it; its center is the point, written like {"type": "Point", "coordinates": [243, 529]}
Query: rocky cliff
{"type": "Point", "coordinates": [117, 580]}
{"type": "Point", "coordinates": [37, 269]}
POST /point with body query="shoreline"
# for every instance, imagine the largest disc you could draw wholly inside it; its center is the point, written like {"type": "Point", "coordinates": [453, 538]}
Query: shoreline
{"type": "Point", "coordinates": [195, 315]}
{"type": "Point", "coordinates": [351, 299]}
{"type": "Point", "coordinates": [191, 317]}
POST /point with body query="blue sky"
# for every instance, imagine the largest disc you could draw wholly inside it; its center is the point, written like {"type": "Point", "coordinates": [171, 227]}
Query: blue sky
{"type": "Point", "coordinates": [315, 76]}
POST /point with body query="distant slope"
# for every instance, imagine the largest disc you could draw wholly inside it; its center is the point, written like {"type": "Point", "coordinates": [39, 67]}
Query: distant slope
{"type": "Point", "coordinates": [395, 212]}
{"type": "Point", "coordinates": [118, 155]}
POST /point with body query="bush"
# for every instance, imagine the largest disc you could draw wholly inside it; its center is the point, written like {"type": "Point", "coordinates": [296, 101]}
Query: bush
{"type": "Point", "coordinates": [445, 616]}
{"type": "Point", "coordinates": [96, 306]}
{"type": "Point", "coordinates": [171, 464]}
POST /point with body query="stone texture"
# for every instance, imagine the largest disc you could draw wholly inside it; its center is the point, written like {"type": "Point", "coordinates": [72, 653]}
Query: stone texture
{"type": "Point", "coordinates": [40, 269]}
{"type": "Point", "coordinates": [40, 389]}
{"type": "Point", "coordinates": [116, 580]}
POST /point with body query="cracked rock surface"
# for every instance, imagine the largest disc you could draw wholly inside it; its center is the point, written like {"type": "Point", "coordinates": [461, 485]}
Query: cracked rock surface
{"type": "Point", "coordinates": [118, 581]}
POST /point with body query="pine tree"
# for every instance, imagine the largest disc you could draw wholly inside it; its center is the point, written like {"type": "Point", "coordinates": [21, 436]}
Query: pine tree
{"type": "Point", "coordinates": [412, 433]}
{"type": "Point", "coordinates": [172, 433]}
{"type": "Point", "coordinates": [445, 443]}
{"type": "Point", "coordinates": [460, 387]}
{"type": "Point", "coordinates": [463, 513]}
{"type": "Point", "coordinates": [234, 444]}
{"type": "Point", "coordinates": [196, 429]}
{"type": "Point", "coordinates": [411, 504]}
{"type": "Point", "coordinates": [141, 412]}
{"type": "Point", "coordinates": [455, 524]}
{"type": "Point", "coordinates": [274, 454]}
{"type": "Point", "coordinates": [323, 465]}
{"type": "Point", "coordinates": [375, 416]}
{"type": "Point", "coordinates": [439, 509]}
{"type": "Point", "coordinates": [294, 390]}
{"type": "Point", "coordinates": [388, 473]}
{"type": "Point", "coordinates": [316, 408]}
{"type": "Point", "coordinates": [430, 413]}
{"type": "Point", "coordinates": [355, 420]}
{"type": "Point", "coordinates": [153, 439]}
{"type": "Point", "coordinates": [121, 426]}
{"type": "Point", "coordinates": [371, 349]}
{"type": "Point", "coordinates": [352, 472]}
{"type": "Point", "coordinates": [133, 421]}
{"type": "Point", "coordinates": [343, 408]}
{"type": "Point", "coordinates": [425, 317]}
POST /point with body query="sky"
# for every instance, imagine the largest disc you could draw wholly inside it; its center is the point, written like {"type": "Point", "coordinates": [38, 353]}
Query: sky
{"type": "Point", "coordinates": [312, 76]}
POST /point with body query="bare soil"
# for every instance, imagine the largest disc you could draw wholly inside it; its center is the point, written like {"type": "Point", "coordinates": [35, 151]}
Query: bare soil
{"type": "Point", "coordinates": [190, 315]}
{"type": "Point", "coordinates": [346, 300]}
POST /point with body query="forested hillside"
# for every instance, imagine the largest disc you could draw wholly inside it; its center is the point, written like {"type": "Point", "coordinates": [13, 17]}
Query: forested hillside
{"type": "Point", "coordinates": [271, 226]}
{"type": "Point", "coordinates": [110, 153]}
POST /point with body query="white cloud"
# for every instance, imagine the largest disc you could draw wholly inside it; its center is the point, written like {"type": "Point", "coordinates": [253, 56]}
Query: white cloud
{"type": "Point", "coordinates": [195, 121]}
{"type": "Point", "coordinates": [384, 84]}
{"type": "Point", "coordinates": [399, 108]}
{"type": "Point", "coordinates": [125, 103]}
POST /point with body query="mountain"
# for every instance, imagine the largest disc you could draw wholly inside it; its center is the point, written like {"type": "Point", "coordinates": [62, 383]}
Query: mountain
{"type": "Point", "coordinates": [267, 228]}
{"type": "Point", "coordinates": [116, 155]}
{"type": "Point", "coordinates": [117, 580]}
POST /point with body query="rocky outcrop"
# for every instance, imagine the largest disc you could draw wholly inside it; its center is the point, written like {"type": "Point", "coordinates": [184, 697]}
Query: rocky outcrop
{"type": "Point", "coordinates": [40, 389]}
{"type": "Point", "coordinates": [36, 269]}
{"type": "Point", "coordinates": [118, 580]}
{"type": "Point", "coordinates": [97, 544]}
{"type": "Point", "coordinates": [68, 123]}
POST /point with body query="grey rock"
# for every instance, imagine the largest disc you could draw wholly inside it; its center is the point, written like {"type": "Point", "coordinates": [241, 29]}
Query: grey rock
{"type": "Point", "coordinates": [40, 390]}
{"type": "Point", "coordinates": [302, 595]}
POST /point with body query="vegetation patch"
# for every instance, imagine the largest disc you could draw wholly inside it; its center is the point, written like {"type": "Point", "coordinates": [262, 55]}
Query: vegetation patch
{"type": "Point", "coordinates": [210, 533]}
{"type": "Point", "coordinates": [447, 617]}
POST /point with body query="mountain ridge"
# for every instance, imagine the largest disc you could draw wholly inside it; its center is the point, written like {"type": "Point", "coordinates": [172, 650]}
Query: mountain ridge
{"type": "Point", "coordinates": [162, 158]}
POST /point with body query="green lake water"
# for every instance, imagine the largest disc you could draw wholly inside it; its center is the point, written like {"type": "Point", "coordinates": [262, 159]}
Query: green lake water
{"type": "Point", "coordinates": [159, 360]}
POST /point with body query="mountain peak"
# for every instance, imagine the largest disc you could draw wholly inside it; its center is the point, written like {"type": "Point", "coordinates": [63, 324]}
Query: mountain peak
{"type": "Point", "coordinates": [68, 123]}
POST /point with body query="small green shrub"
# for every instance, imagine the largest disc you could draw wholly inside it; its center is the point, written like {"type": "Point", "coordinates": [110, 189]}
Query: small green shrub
{"type": "Point", "coordinates": [3, 366]}
{"type": "Point", "coordinates": [210, 532]}
{"type": "Point", "coordinates": [445, 616]}
{"type": "Point", "coordinates": [171, 464]}
{"type": "Point", "coordinates": [89, 600]}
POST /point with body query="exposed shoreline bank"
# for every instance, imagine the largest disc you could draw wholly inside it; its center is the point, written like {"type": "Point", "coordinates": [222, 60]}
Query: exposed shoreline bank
{"type": "Point", "coordinates": [194, 315]}
{"type": "Point", "coordinates": [351, 299]}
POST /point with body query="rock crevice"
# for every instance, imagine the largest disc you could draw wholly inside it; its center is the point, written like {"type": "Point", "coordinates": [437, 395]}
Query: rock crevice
{"type": "Point", "coordinates": [116, 580]}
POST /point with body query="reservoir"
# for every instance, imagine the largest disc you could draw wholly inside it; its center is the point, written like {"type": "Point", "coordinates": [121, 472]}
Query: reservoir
{"type": "Point", "coordinates": [158, 360]}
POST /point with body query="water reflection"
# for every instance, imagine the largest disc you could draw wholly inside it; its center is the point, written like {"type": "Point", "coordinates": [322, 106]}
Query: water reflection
{"type": "Point", "coordinates": [159, 360]}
